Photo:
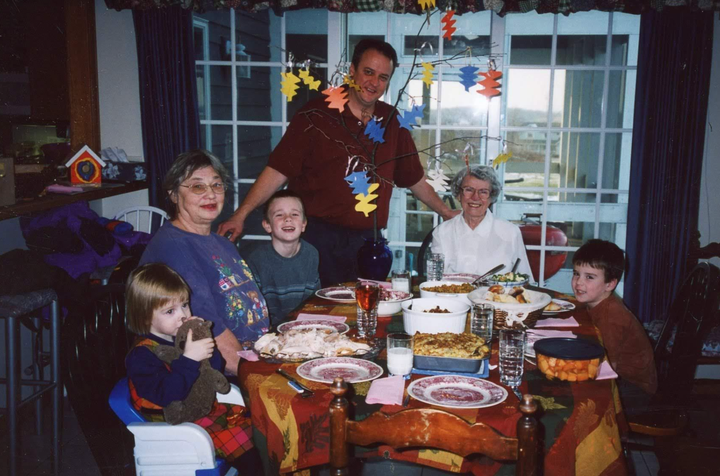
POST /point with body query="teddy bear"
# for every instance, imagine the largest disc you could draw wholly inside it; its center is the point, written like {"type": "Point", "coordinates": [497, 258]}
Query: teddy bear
{"type": "Point", "coordinates": [201, 398]}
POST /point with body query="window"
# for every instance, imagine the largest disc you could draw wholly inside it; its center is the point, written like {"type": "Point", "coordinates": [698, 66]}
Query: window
{"type": "Point", "coordinates": [565, 112]}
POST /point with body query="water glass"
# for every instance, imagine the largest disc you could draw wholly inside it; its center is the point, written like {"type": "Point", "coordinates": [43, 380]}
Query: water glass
{"type": "Point", "coordinates": [512, 354]}
{"type": "Point", "coordinates": [435, 266]}
{"type": "Point", "coordinates": [401, 280]}
{"type": "Point", "coordinates": [400, 348]}
{"type": "Point", "coordinates": [481, 321]}
{"type": "Point", "coordinates": [367, 296]}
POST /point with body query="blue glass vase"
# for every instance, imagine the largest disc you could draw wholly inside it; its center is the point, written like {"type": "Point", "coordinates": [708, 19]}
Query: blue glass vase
{"type": "Point", "coordinates": [375, 259]}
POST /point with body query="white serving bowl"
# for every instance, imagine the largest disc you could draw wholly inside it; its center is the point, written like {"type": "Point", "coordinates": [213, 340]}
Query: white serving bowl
{"type": "Point", "coordinates": [393, 306]}
{"type": "Point", "coordinates": [418, 320]}
{"type": "Point", "coordinates": [432, 294]}
{"type": "Point", "coordinates": [509, 314]}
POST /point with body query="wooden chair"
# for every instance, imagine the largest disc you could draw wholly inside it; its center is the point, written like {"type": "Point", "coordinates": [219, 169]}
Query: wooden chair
{"type": "Point", "coordinates": [431, 428]}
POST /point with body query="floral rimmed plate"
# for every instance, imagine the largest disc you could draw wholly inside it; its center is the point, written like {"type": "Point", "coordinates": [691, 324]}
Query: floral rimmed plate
{"type": "Point", "coordinates": [456, 391]}
{"type": "Point", "coordinates": [332, 326]}
{"type": "Point", "coordinates": [565, 306]}
{"type": "Point", "coordinates": [350, 369]}
{"type": "Point", "coordinates": [337, 294]}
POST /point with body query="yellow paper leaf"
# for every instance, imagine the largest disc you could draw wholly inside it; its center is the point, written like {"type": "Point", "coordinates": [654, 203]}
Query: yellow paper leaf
{"type": "Point", "coordinates": [502, 158]}
{"type": "Point", "coordinates": [364, 204]}
{"type": "Point", "coordinates": [427, 73]}
{"type": "Point", "coordinates": [289, 85]}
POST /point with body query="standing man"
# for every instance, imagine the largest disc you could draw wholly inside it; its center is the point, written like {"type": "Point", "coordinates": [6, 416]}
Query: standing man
{"type": "Point", "coordinates": [322, 146]}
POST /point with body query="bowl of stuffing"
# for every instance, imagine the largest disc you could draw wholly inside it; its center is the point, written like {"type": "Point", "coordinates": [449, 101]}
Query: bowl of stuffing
{"type": "Point", "coordinates": [391, 301]}
{"type": "Point", "coordinates": [434, 315]}
{"type": "Point", "coordinates": [515, 308]}
{"type": "Point", "coordinates": [446, 290]}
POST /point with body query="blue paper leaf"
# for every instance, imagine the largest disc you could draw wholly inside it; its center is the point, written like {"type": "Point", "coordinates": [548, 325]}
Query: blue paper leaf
{"type": "Point", "coordinates": [359, 182]}
{"type": "Point", "coordinates": [468, 76]}
{"type": "Point", "coordinates": [409, 119]}
{"type": "Point", "coordinates": [374, 131]}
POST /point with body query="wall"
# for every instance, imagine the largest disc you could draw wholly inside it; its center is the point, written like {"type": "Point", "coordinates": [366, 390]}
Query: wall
{"type": "Point", "coordinates": [709, 214]}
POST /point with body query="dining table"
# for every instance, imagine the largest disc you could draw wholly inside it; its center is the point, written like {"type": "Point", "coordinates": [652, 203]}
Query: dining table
{"type": "Point", "coordinates": [581, 422]}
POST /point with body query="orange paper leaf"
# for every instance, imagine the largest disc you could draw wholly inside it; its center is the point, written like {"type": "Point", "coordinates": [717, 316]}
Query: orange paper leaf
{"type": "Point", "coordinates": [490, 84]}
{"type": "Point", "coordinates": [337, 97]}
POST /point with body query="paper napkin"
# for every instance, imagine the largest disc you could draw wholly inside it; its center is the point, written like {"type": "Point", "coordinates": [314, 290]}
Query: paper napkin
{"type": "Point", "coordinates": [388, 391]}
{"type": "Point", "coordinates": [606, 372]}
{"type": "Point", "coordinates": [554, 322]}
{"type": "Point", "coordinates": [248, 355]}
{"type": "Point", "coordinates": [546, 333]}
{"type": "Point", "coordinates": [325, 317]}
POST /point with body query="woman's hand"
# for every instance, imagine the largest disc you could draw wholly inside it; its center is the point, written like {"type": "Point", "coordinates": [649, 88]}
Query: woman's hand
{"type": "Point", "coordinates": [198, 350]}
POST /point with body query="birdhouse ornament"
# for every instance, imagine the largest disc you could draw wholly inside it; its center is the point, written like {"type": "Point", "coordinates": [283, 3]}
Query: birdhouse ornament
{"type": "Point", "coordinates": [85, 168]}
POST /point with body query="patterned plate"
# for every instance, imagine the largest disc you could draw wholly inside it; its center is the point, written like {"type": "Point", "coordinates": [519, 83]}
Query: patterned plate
{"type": "Point", "coordinates": [565, 305]}
{"type": "Point", "coordinates": [340, 327]}
{"type": "Point", "coordinates": [461, 277]}
{"type": "Point", "coordinates": [352, 370]}
{"type": "Point", "coordinates": [337, 294]}
{"type": "Point", "coordinates": [456, 391]}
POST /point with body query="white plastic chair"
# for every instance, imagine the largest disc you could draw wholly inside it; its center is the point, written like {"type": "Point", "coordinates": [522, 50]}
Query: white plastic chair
{"type": "Point", "coordinates": [162, 449]}
{"type": "Point", "coordinates": [141, 218]}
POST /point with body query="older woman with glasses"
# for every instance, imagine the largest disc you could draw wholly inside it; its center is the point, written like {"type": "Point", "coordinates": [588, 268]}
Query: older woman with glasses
{"type": "Point", "coordinates": [476, 241]}
{"type": "Point", "coordinates": [222, 286]}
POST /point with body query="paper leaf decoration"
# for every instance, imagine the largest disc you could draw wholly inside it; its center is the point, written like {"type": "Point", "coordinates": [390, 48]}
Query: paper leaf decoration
{"type": "Point", "coordinates": [502, 158]}
{"type": "Point", "coordinates": [467, 76]}
{"type": "Point", "coordinates": [289, 85]}
{"type": "Point", "coordinates": [427, 73]}
{"type": "Point", "coordinates": [337, 97]}
{"type": "Point", "coordinates": [358, 181]}
{"type": "Point", "coordinates": [347, 79]}
{"type": "Point", "coordinates": [374, 131]}
{"type": "Point", "coordinates": [448, 24]}
{"type": "Point", "coordinates": [490, 84]}
{"type": "Point", "coordinates": [438, 180]}
{"type": "Point", "coordinates": [309, 80]}
{"type": "Point", "coordinates": [426, 4]}
{"type": "Point", "coordinates": [364, 200]}
{"type": "Point", "coordinates": [409, 119]}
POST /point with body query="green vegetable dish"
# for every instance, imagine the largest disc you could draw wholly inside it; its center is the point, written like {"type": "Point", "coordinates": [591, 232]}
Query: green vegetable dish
{"type": "Point", "coordinates": [510, 278]}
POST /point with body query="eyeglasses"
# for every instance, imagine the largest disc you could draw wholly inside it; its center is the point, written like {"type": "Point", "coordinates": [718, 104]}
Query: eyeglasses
{"type": "Point", "coordinates": [201, 188]}
{"type": "Point", "coordinates": [469, 192]}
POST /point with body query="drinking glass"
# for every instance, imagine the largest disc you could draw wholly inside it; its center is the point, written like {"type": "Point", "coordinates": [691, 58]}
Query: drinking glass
{"type": "Point", "coordinates": [401, 280]}
{"type": "Point", "coordinates": [481, 321]}
{"type": "Point", "coordinates": [400, 353]}
{"type": "Point", "coordinates": [435, 266]}
{"type": "Point", "coordinates": [367, 296]}
{"type": "Point", "coordinates": [512, 354]}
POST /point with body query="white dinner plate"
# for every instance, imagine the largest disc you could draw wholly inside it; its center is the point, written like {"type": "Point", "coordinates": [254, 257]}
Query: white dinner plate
{"type": "Point", "coordinates": [339, 327]}
{"type": "Point", "coordinates": [457, 391]}
{"type": "Point", "coordinates": [565, 305]}
{"type": "Point", "coordinates": [350, 369]}
{"type": "Point", "coordinates": [337, 294]}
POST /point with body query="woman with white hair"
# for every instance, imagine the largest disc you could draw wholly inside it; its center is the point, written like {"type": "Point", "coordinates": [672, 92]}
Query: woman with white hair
{"type": "Point", "coordinates": [476, 241]}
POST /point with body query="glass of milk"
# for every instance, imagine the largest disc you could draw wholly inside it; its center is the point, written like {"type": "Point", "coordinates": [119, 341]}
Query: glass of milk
{"type": "Point", "coordinates": [400, 348]}
{"type": "Point", "coordinates": [401, 280]}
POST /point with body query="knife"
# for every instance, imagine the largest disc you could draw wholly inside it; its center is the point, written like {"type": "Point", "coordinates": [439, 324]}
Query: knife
{"type": "Point", "coordinates": [304, 391]}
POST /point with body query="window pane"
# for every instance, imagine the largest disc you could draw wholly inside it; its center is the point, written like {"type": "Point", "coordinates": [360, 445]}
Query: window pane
{"type": "Point", "coordinates": [425, 143]}
{"type": "Point", "coordinates": [258, 96]}
{"type": "Point", "coordinates": [527, 97]}
{"type": "Point", "coordinates": [417, 93]}
{"type": "Point", "coordinates": [305, 94]}
{"type": "Point", "coordinates": [255, 35]}
{"type": "Point", "coordinates": [460, 107]}
{"type": "Point", "coordinates": [581, 50]}
{"type": "Point", "coordinates": [626, 33]}
{"type": "Point", "coordinates": [417, 226]}
{"type": "Point", "coordinates": [577, 212]}
{"type": "Point", "coordinates": [526, 167]}
{"type": "Point", "coordinates": [215, 99]}
{"type": "Point", "coordinates": [577, 98]}
{"type": "Point", "coordinates": [254, 146]}
{"type": "Point", "coordinates": [405, 29]}
{"type": "Point", "coordinates": [458, 45]}
{"type": "Point", "coordinates": [452, 149]}
{"type": "Point", "coordinates": [574, 160]}
{"type": "Point", "coordinates": [306, 35]}
{"type": "Point", "coordinates": [616, 162]}
{"type": "Point", "coordinates": [530, 49]}
{"type": "Point", "coordinates": [218, 34]}
{"type": "Point", "coordinates": [621, 99]}
{"type": "Point", "coordinates": [219, 141]}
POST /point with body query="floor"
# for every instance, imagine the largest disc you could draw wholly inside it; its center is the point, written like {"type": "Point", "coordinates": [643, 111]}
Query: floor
{"type": "Point", "coordinates": [77, 460]}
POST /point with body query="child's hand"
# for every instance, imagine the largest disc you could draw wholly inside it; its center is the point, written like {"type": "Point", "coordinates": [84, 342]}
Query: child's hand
{"type": "Point", "coordinates": [198, 350]}
{"type": "Point", "coordinates": [185, 319]}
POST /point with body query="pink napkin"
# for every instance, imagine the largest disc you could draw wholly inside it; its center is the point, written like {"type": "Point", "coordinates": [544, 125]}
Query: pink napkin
{"type": "Point", "coordinates": [545, 333]}
{"type": "Point", "coordinates": [248, 355]}
{"type": "Point", "coordinates": [388, 391]}
{"type": "Point", "coordinates": [605, 372]}
{"type": "Point", "coordinates": [553, 322]}
{"type": "Point", "coordinates": [64, 189]}
{"type": "Point", "coordinates": [325, 317]}
{"type": "Point", "coordinates": [382, 284]}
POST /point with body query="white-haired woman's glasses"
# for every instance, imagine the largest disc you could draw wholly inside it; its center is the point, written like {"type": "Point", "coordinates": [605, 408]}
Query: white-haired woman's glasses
{"type": "Point", "coordinates": [470, 192]}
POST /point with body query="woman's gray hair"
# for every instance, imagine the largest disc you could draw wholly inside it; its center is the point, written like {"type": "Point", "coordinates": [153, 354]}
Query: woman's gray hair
{"type": "Point", "coordinates": [184, 166]}
{"type": "Point", "coordinates": [480, 172]}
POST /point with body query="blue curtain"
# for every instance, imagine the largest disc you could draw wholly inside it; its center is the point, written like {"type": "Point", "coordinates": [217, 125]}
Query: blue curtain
{"type": "Point", "coordinates": [168, 95]}
{"type": "Point", "coordinates": [668, 136]}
